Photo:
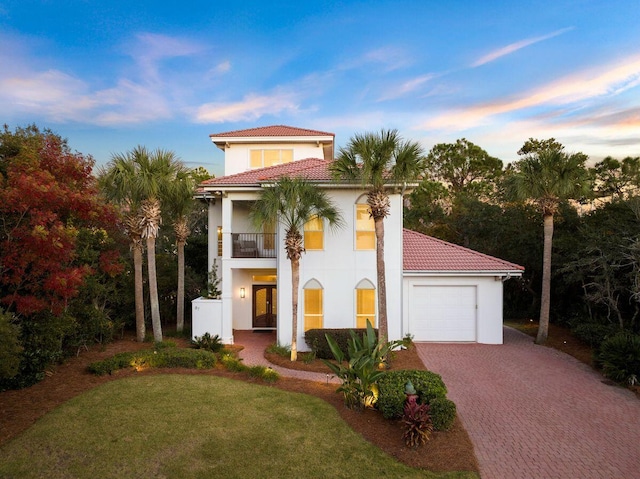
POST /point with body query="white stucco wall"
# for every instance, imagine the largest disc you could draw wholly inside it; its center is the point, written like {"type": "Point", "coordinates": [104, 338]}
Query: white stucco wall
{"type": "Point", "coordinates": [236, 156]}
{"type": "Point", "coordinates": [339, 268]}
{"type": "Point", "coordinates": [489, 302]}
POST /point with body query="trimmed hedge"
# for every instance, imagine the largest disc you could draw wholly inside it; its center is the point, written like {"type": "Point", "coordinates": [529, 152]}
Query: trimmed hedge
{"type": "Point", "coordinates": [165, 358]}
{"type": "Point", "coordinates": [391, 399]}
{"type": "Point", "coordinates": [443, 413]}
{"type": "Point", "coordinates": [316, 340]}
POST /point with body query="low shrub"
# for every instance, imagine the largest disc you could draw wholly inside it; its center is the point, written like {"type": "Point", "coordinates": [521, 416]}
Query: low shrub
{"type": "Point", "coordinates": [10, 347]}
{"type": "Point", "coordinates": [316, 340]}
{"type": "Point", "coordinates": [391, 399]}
{"type": "Point", "coordinates": [619, 357]}
{"type": "Point", "coordinates": [593, 334]}
{"type": "Point", "coordinates": [442, 412]}
{"type": "Point", "coordinates": [208, 342]}
{"type": "Point", "coordinates": [262, 372]}
{"type": "Point", "coordinates": [284, 351]}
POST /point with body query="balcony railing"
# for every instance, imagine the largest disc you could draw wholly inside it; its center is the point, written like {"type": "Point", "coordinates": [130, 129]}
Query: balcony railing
{"type": "Point", "coordinates": [254, 245]}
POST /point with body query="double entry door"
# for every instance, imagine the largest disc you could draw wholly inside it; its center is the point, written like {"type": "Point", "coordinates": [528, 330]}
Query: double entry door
{"type": "Point", "coordinates": [265, 306]}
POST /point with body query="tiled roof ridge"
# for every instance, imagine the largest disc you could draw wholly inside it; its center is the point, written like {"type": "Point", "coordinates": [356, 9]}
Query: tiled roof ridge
{"type": "Point", "coordinates": [309, 163]}
{"type": "Point", "coordinates": [265, 131]}
{"type": "Point", "coordinates": [294, 166]}
{"type": "Point", "coordinates": [462, 248]}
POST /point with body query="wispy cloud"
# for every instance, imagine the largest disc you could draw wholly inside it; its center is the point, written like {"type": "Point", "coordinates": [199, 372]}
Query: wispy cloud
{"type": "Point", "coordinates": [407, 87]}
{"type": "Point", "coordinates": [603, 81]}
{"type": "Point", "coordinates": [250, 108]}
{"type": "Point", "coordinates": [514, 47]}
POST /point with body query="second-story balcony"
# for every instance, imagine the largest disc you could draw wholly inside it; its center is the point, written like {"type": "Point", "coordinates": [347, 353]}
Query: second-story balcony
{"type": "Point", "coordinates": [253, 245]}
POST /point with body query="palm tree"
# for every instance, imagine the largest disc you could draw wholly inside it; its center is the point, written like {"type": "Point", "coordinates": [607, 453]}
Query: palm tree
{"type": "Point", "coordinates": [118, 183]}
{"type": "Point", "coordinates": [377, 162]}
{"type": "Point", "coordinates": [292, 202]}
{"type": "Point", "coordinates": [156, 171]}
{"type": "Point", "coordinates": [546, 176]}
{"type": "Point", "coordinates": [179, 199]}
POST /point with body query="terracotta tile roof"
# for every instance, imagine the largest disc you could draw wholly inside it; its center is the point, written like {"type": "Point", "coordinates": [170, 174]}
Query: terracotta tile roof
{"type": "Point", "coordinates": [274, 130]}
{"type": "Point", "coordinates": [425, 253]}
{"type": "Point", "coordinates": [313, 169]}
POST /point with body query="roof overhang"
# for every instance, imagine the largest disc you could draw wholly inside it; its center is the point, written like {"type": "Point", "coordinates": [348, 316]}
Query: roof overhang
{"type": "Point", "coordinates": [488, 273]}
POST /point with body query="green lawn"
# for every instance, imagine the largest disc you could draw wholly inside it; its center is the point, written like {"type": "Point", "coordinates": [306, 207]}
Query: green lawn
{"type": "Point", "coordinates": [196, 427]}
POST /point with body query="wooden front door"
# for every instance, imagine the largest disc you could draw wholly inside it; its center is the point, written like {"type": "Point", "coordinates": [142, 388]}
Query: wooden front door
{"type": "Point", "coordinates": [265, 306]}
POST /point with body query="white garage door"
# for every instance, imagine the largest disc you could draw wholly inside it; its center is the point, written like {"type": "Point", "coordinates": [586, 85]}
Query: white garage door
{"type": "Point", "coordinates": [442, 313]}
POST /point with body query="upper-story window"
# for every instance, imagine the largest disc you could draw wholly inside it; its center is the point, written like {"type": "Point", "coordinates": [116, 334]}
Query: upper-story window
{"type": "Point", "coordinates": [264, 158]}
{"type": "Point", "coordinates": [314, 234]}
{"type": "Point", "coordinates": [365, 228]}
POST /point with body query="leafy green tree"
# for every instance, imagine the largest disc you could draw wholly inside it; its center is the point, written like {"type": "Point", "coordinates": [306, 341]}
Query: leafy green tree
{"type": "Point", "coordinates": [463, 167]}
{"type": "Point", "coordinates": [378, 161]}
{"type": "Point", "coordinates": [545, 177]}
{"type": "Point", "coordinates": [616, 179]}
{"type": "Point", "coordinates": [292, 202]}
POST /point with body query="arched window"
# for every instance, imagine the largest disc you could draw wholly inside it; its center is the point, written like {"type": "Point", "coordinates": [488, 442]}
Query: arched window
{"type": "Point", "coordinates": [314, 234]}
{"type": "Point", "coordinates": [365, 228]}
{"type": "Point", "coordinates": [365, 304]}
{"type": "Point", "coordinates": [313, 307]}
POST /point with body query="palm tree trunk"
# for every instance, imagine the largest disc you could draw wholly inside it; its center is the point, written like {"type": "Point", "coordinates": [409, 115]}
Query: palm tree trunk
{"type": "Point", "coordinates": [545, 299]}
{"type": "Point", "coordinates": [383, 329]}
{"type": "Point", "coordinates": [180, 294]}
{"type": "Point", "coordinates": [153, 289]}
{"type": "Point", "coordinates": [139, 298]}
{"type": "Point", "coordinates": [295, 282]}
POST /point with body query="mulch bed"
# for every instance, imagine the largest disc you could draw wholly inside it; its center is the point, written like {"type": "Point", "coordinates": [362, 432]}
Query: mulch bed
{"type": "Point", "coordinates": [446, 451]}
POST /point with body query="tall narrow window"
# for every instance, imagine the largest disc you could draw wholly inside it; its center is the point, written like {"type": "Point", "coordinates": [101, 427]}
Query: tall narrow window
{"type": "Point", "coordinates": [365, 304]}
{"type": "Point", "coordinates": [264, 158]}
{"type": "Point", "coordinates": [365, 228]}
{"type": "Point", "coordinates": [313, 310]}
{"type": "Point", "coordinates": [219, 241]}
{"type": "Point", "coordinates": [314, 234]}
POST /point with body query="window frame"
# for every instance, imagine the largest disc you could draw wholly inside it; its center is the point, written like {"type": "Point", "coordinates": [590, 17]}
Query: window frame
{"type": "Point", "coordinates": [316, 288]}
{"type": "Point", "coordinates": [316, 232]}
{"type": "Point", "coordinates": [359, 231]}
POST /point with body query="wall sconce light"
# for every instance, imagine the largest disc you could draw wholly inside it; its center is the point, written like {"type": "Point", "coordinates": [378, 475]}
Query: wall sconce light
{"type": "Point", "coordinates": [242, 293]}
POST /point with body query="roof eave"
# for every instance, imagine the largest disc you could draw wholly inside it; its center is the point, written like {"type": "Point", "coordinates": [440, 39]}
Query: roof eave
{"type": "Point", "coordinates": [504, 272]}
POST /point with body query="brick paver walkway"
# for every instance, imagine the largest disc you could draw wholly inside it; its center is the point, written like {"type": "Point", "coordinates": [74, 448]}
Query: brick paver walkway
{"type": "Point", "coordinates": [535, 413]}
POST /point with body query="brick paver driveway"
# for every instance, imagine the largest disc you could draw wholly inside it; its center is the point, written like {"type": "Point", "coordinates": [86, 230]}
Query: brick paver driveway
{"type": "Point", "coordinates": [535, 413]}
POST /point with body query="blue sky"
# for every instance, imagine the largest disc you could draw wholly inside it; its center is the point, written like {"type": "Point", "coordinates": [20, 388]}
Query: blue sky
{"type": "Point", "coordinates": [111, 75]}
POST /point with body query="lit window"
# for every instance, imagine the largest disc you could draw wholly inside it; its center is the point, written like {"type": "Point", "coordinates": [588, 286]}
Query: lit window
{"type": "Point", "coordinates": [313, 317]}
{"type": "Point", "coordinates": [365, 229]}
{"type": "Point", "coordinates": [365, 304]}
{"type": "Point", "coordinates": [314, 234]}
{"type": "Point", "coordinates": [264, 158]}
{"type": "Point", "coordinates": [220, 241]}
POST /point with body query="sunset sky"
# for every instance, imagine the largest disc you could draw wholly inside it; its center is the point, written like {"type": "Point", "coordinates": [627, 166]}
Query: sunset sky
{"type": "Point", "coordinates": [112, 75]}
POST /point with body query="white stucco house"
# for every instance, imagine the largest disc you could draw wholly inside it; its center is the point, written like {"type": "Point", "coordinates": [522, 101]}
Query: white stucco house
{"type": "Point", "coordinates": [436, 291]}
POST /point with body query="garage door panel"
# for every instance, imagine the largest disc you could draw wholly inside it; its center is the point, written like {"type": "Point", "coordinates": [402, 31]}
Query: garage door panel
{"type": "Point", "coordinates": [443, 313]}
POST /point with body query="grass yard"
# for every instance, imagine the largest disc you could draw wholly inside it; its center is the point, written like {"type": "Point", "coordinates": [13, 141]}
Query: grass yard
{"type": "Point", "coordinates": [192, 426]}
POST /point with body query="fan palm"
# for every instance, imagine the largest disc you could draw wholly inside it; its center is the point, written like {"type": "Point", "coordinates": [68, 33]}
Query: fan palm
{"type": "Point", "coordinates": [179, 199]}
{"type": "Point", "coordinates": [546, 177]}
{"type": "Point", "coordinates": [377, 162]}
{"type": "Point", "coordinates": [292, 202]}
{"type": "Point", "coordinates": [118, 183]}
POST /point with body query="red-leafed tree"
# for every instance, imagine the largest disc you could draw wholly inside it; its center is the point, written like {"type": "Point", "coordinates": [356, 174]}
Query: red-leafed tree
{"type": "Point", "coordinates": [48, 197]}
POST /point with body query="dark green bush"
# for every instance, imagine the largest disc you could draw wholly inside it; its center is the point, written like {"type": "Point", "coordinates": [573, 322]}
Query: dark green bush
{"type": "Point", "coordinates": [10, 347]}
{"type": "Point", "coordinates": [443, 413]}
{"type": "Point", "coordinates": [391, 398]}
{"type": "Point", "coordinates": [316, 340]}
{"type": "Point", "coordinates": [593, 333]}
{"type": "Point", "coordinates": [619, 357]}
